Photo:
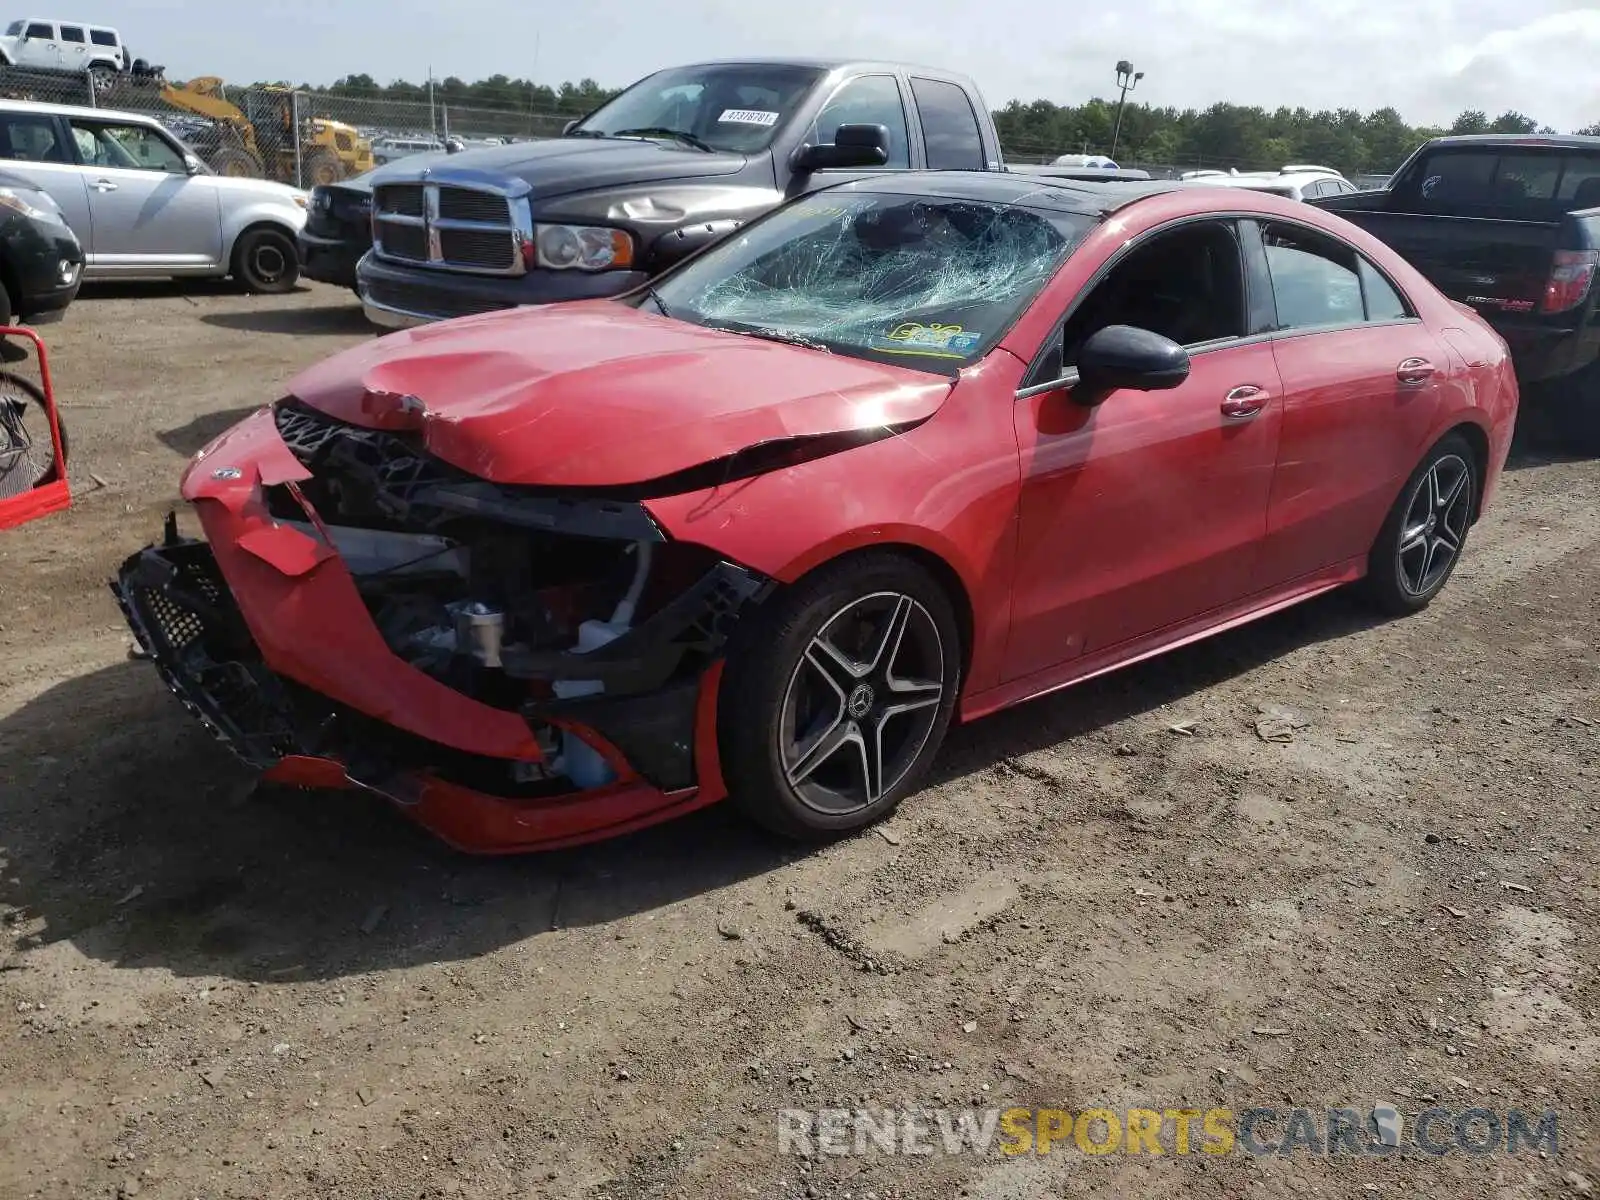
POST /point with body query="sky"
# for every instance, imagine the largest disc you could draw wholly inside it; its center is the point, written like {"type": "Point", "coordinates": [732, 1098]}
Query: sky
{"type": "Point", "coordinates": [1430, 59]}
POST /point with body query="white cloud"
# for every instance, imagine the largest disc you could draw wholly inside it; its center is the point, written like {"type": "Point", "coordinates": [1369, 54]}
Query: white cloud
{"type": "Point", "coordinates": [1428, 58]}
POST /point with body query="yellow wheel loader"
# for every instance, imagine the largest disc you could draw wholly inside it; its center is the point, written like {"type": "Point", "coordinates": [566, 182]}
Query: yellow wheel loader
{"type": "Point", "coordinates": [261, 143]}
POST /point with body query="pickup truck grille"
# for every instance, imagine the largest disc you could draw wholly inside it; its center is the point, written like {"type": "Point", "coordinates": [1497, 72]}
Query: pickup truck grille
{"type": "Point", "coordinates": [448, 228]}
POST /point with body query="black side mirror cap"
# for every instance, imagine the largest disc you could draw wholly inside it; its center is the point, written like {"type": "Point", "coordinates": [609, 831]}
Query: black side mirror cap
{"type": "Point", "coordinates": [853, 146]}
{"type": "Point", "coordinates": [1125, 356]}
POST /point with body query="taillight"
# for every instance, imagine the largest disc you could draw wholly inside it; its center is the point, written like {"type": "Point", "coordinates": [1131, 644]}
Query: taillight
{"type": "Point", "coordinates": [1570, 277]}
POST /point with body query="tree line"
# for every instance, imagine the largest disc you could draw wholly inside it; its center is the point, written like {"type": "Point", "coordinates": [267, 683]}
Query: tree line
{"type": "Point", "coordinates": [1222, 135]}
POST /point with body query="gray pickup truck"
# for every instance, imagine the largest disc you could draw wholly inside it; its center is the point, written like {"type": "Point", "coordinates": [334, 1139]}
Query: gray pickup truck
{"type": "Point", "coordinates": [672, 163]}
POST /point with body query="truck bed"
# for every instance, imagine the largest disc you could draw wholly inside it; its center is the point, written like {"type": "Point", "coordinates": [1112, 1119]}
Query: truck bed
{"type": "Point", "coordinates": [1497, 266]}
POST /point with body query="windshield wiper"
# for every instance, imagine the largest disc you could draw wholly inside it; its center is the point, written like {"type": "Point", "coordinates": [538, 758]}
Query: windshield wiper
{"type": "Point", "coordinates": [779, 335]}
{"type": "Point", "coordinates": [652, 294]}
{"type": "Point", "coordinates": [688, 139]}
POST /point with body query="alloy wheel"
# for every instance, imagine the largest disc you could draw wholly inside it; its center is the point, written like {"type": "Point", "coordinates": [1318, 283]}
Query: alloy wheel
{"type": "Point", "coordinates": [1435, 525]}
{"type": "Point", "coordinates": [861, 703]}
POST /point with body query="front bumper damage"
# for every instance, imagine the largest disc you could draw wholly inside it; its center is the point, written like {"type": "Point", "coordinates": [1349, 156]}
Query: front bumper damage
{"type": "Point", "coordinates": [267, 638]}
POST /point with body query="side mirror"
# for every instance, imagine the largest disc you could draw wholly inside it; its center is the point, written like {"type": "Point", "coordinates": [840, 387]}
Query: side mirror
{"type": "Point", "coordinates": [1123, 356]}
{"type": "Point", "coordinates": [853, 146]}
{"type": "Point", "coordinates": [192, 165]}
{"type": "Point", "coordinates": [568, 127]}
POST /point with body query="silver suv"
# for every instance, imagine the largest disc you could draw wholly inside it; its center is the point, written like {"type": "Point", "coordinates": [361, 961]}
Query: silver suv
{"type": "Point", "coordinates": [1297, 181]}
{"type": "Point", "coordinates": [142, 203]}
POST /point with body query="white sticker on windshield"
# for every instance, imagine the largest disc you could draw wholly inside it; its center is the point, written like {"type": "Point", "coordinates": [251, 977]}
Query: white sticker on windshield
{"type": "Point", "coordinates": [747, 116]}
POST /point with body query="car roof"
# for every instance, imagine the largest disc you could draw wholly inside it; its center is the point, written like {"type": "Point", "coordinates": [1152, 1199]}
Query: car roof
{"type": "Point", "coordinates": [1092, 198]}
{"type": "Point", "coordinates": [75, 110]}
{"type": "Point", "coordinates": [1570, 141]}
{"type": "Point", "coordinates": [823, 64]}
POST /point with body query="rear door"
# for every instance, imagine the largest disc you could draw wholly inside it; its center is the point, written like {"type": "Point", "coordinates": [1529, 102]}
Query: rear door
{"type": "Point", "coordinates": [952, 139]}
{"type": "Point", "coordinates": [1360, 375]}
{"type": "Point", "coordinates": [74, 48]}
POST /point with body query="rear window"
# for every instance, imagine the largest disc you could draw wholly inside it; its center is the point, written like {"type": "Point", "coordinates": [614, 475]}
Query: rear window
{"type": "Point", "coordinates": [1515, 184]}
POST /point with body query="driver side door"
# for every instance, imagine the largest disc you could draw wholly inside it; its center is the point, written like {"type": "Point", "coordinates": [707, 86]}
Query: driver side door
{"type": "Point", "coordinates": [1148, 510]}
{"type": "Point", "coordinates": [864, 100]}
{"type": "Point", "coordinates": [146, 211]}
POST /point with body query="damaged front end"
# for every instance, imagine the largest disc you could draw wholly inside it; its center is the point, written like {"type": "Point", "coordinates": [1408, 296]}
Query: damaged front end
{"type": "Point", "coordinates": [572, 615]}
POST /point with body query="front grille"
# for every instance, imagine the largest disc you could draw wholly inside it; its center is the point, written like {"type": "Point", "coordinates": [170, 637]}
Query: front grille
{"type": "Point", "coordinates": [182, 613]}
{"type": "Point", "coordinates": [448, 227]}
{"type": "Point", "coordinates": [405, 241]}
{"type": "Point", "coordinates": [478, 247]}
{"type": "Point", "coordinates": [403, 199]}
{"type": "Point", "coordinates": [463, 204]}
{"type": "Point", "coordinates": [429, 302]}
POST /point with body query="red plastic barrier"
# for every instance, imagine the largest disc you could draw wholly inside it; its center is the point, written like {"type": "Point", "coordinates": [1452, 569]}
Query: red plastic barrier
{"type": "Point", "coordinates": [52, 493]}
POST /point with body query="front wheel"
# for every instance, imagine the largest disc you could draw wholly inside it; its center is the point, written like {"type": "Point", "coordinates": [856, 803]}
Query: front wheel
{"type": "Point", "coordinates": [266, 261]}
{"type": "Point", "coordinates": [1426, 530]}
{"type": "Point", "coordinates": [836, 699]}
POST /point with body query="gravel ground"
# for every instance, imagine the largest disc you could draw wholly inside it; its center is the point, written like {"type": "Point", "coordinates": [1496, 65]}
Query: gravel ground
{"type": "Point", "coordinates": [1121, 896]}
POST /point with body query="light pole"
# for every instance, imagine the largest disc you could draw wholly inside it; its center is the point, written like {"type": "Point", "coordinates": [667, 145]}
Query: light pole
{"type": "Point", "coordinates": [1127, 80]}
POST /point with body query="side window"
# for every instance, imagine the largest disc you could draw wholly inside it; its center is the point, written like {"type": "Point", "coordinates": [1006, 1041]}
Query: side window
{"type": "Point", "coordinates": [129, 147]}
{"type": "Point", "coordinates": [44, 33]}
{"type": "Point", "coordinates": [1315, 280]}
{"type": "Point", "coordinates": [70, 33]}
{"type": "Point", "coordinates": [1383, 302]}
{"type": "Point", "coordinates": [1186, 284]}
{"type": "Point", "coordinates": [1318, 280]}
{"type": "Point", "coordinates": [949, 126]}
{"type": "Point", "coordinates": [868, 100]}
{"type": "Point", "coordinates": [103, 37]}
{"type": "Point", "coordinates": [31, 137]}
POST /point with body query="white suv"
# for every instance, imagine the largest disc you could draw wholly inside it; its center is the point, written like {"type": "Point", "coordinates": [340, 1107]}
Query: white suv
{"type": "Point", "coordinates": [46, 44]}
{"type": "Point", "coordinates": [142, 203]}
{"type": "Point", "coordinates": [1297, 181]}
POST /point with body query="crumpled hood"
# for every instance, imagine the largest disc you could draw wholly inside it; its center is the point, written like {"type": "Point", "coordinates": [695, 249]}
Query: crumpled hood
{"type": "Point", "coordinates": [562, 166]}
{"type": "Point", "coordinates": [597, 394]}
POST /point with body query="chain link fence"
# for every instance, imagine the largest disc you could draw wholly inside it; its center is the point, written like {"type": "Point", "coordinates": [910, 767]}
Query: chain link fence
{"type": "Point", "coordinates": [307, 138]}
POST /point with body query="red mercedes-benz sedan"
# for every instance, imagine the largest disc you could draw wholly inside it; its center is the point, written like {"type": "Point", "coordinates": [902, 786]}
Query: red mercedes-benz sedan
{"type": "Point", "coordinates": [908, 450]}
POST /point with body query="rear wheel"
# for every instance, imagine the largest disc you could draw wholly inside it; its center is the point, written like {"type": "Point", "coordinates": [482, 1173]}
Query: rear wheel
{"type": "Point", "coordinates": [265, 261]}
{"type": "Point", "coordinates": [837, 698]}
{"type": "Point", "coordinates": [27, 454]}
{"type": "Point", "coordinates": [102, 78]}
{"type": "Point", "coordinates": [1575, 410]}
{"type": "Point", "coordinates": [1426, 530]}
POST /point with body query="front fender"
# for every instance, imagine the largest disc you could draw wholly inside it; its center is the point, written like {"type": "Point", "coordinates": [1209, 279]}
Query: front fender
{"type": "Point", "coordinates": [947, 487]}
{"type": "Point", "coordinates": [238, 217]}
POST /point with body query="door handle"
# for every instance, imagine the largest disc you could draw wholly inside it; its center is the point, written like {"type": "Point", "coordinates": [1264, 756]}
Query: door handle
{"type": "Point", "coordinates": [104, 185]}
{"type": "Point", "coordinates": [1414, 371]}
{"type": "Point", "coordinates": [1244, 402]}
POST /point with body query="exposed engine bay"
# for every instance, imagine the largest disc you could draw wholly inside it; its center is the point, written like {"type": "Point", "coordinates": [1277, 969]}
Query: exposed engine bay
{"type": "Point", "coordinates": [529, 602]}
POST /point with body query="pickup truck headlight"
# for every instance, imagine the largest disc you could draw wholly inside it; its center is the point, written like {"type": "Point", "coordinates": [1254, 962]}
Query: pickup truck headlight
{"type": "Point", "coordinates": [581, 248]}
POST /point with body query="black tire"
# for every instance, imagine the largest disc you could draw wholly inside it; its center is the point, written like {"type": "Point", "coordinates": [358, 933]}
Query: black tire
{"type": "Point", "coordinates": [8, 310]}
{"type": "Point", "coordinates": [1427, 525]}
{"type": "Point", "coordinates": [27, 457]}
{"type": "Point", "coordinates": [266, 261]}
{"type": "Point", "coordinates": [102, 78]}
{"type": "Point", "coordinates": [236, 164]}
{"type": "Point", "coordinates": [1574, 405]}
{"type": "Point", "coordinates": [771, 687]}
{"type": "Point", "coordinates": [322, 168]}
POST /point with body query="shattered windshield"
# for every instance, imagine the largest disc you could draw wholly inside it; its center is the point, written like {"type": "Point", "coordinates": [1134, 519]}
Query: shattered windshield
{"type": "Point", "coordinates": [927, 282]}
{"type": "Point", "coordinates": [731, 107]}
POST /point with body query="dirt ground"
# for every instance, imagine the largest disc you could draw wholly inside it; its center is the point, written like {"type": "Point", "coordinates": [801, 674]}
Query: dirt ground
{"type": "Point", "coordinates": [1120, 896]}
